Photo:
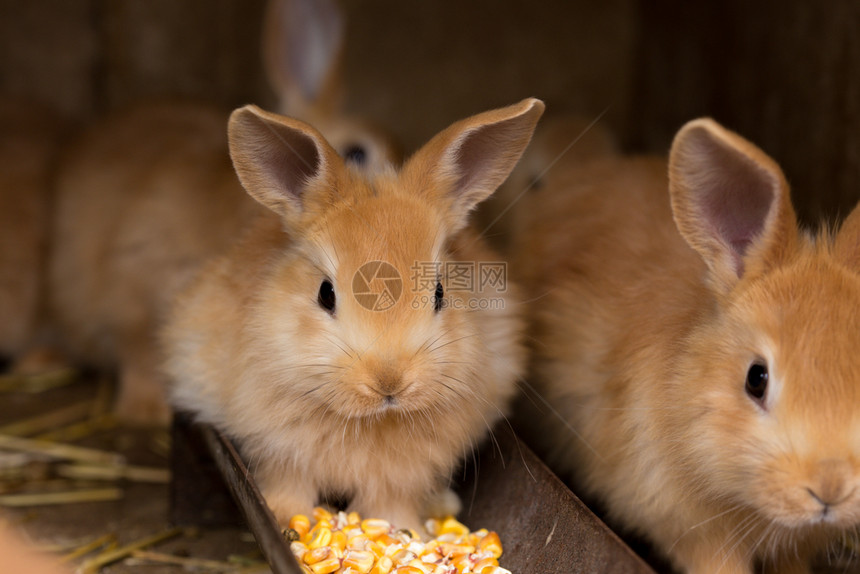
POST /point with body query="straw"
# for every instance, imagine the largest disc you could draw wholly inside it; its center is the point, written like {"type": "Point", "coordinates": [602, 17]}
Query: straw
{"type": "Point", "coordinates": [59, 450]}
{"type": "Point", "coordinates": [114, 472]}
{"type": "Point", "coordinates": [63, 497]}
{"type": "Point", "coordinates": [50, 420]}
{"type": "Point", "coordinates": [93, 565]}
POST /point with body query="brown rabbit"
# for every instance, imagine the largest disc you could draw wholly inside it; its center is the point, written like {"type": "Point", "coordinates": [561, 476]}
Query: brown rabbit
{"type": "Point", "coordinates": [30, 136]}
{"type": "Point", "coordinates": [320, 344]}
{"type": "Point", "coordinates": [148, 194]}
{"type": "Point", "coordinates": [702, 369]}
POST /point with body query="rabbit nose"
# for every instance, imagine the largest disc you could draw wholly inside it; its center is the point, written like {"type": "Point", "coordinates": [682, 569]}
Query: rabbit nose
{"type": "Point", "coordinates": [831, 482]}
{"type": "Point", "coordinates": [388, 382]}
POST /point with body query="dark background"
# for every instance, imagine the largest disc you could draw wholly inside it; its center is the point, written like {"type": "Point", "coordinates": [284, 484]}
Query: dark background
{"type": "Point", "coordinates": [784, 74]}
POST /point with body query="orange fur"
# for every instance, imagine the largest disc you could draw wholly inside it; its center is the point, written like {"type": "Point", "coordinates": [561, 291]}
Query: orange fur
{"type": "Point", "coordinates": [644, 335]}
{"type": "Point", "coordinates": [148, 194]}
{"type": "Point", "coordinates": [379, 405]}
{"type": "Point", "coordinates": [144, 197]}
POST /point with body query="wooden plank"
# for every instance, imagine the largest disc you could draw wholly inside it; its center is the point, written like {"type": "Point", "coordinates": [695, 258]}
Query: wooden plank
{"type": "Point", "coordinates": [544, 528]}
{"type": "Point", "coordinates": [246, 494]}
{"type": "Point", "coordinates": [198, 494]}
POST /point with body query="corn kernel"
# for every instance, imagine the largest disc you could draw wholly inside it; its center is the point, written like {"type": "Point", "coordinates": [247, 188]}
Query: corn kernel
{"type": "Point", "coordinates": [321, 524]}
{"type": "Point", "coordinates": [415, 547]}
{"type": "Point", "coordinates": [316, 555]}
{"type": "Point", "coordinates": [476, 536]}
{"type": "Point", "coordinates": [321, 514]}
{"type": "Point", "coordinates": [450, 549]}
{"type": "Point", "coordinates": [321, 537]}
{"type": "Point", "coordinates": [430, 547]}
{"type": "Point", "coordinates": [452, 526]}
{"type": "Point", "coordinates": [462, 563]}
{"type": "Point", "coordinates": [432, 526]}
{"type": "Point", "coordinates": [392, 549]}
{"type": "Point", "coordinates": [377, 549]}
{"type": "Point", "coordinates": [383, 566]}
{"type": "Point", "coordinates": [327, 566]}
{"type": "Point", "coordinates": [387, 540]}
{"type": "Point", "coordinates": [483, 563]}
{"type": "Point", "coordinates": [403, 556]}
{"type": "Point", "coordinates": [375, 527]}
{"type": "Point", "coordinates": [406, 535]}
{"type": "Point", "coordinates": [300, 523]}
{"type": "Point", "coordinates": [491, 544]}
{"type": "Point", "coordinates": [338, 540]}
{"type": "Point", "coordinates": [358, 542]}
{"type": "Point", "coordinates": [361, 561]}
{"type": "Point", "coordinates": [422, 566]}
{"type": "Point", "coordinates": [344, 543]}
{"type": "Point", "coordinates": [298, 549]}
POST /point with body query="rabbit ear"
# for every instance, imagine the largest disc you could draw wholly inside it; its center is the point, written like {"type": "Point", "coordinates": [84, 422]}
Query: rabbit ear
{"type": "Point", "coordinates": [848, 240]}
{"type": "Point", "coordinates": [465, 163]}
{"type": "Point", "coordinates": [730, 200]}
{"type": "Point", "coordinates": [302, 47]}
{"type": "Point", "coordinates": [281, 161]}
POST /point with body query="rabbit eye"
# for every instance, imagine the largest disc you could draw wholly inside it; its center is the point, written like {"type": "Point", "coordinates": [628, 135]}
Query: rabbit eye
{"type": "Point", "coordinates": [756, 385]}
{"type": "Point", "coordinates": [326, 297]}
{"type": "Point", "coordinates": [355, 154]}
{"type": "Point", "coordinates": [438, 297]}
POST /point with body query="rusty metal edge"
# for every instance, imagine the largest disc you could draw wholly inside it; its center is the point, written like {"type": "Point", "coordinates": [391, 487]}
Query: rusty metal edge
{"type": "Point", "coordinates": [249, 499]}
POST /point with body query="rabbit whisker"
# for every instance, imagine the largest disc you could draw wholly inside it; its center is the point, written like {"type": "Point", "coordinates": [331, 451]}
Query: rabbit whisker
{"type": "Point", "coordinates": [564, 421]}
{"type": "Point", "coordinates": [451, 342]}
{"type": "Point", "coordinates": [735, 508]}
{"type": "Point", "coordinates": [738, 534]}
{"type": "Point", "coordinates": [340, 344]}
{"type": "Point", "coordinates": [427, 344]}
{"type": "Point", "coordinates": [488, 403]}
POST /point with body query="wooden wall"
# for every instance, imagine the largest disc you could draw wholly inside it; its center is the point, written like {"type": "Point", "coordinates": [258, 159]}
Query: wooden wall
{"type": "Point", "coordinates": [784, 74]}
{"type": "Point", "coordinates": [415, 67]}
{"type": "Point", "coordinates": [85, 57]}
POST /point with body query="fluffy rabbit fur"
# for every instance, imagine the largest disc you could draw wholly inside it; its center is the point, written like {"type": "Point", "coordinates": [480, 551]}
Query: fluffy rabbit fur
{"type": "Point", "coordinates": [703, 369]}
{"type": "Point", "coordinates": [323, 394]}
{"type": "Point", "coordinates": [148, 194]}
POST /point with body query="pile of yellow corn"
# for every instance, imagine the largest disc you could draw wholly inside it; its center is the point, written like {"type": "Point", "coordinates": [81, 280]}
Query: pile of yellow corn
{"type": "Point", "coordinates": [345, 544]}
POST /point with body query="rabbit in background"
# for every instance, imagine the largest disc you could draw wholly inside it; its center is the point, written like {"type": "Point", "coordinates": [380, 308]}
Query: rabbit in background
{"type": "Point", "coordinates": [700, 352]}
{"type": "Point", "coordinates": [30, 139]}
{"type": "Point", "coordinates": [145, 196]}
{"type": "Point", "coordinates": [571, 139]}
{"type": "Point", "coordinates": [278, 343]}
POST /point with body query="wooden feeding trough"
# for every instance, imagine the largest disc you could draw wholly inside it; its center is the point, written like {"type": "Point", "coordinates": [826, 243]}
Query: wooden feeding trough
{"type": "Point", "coordinates": [544, 528]}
